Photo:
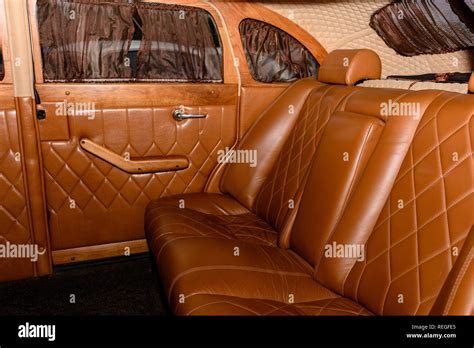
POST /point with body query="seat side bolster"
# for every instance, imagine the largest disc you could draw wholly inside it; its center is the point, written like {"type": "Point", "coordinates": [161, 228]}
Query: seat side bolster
{"type": "Point", "coordinates": [366, 204]}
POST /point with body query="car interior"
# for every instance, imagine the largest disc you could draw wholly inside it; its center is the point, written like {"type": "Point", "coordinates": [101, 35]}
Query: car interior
{"type": "Point", "coordinates": [237, 158]}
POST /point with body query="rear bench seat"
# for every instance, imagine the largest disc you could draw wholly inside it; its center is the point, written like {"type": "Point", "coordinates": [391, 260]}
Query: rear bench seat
{"type": "Point", "coordinates": [336, 171]}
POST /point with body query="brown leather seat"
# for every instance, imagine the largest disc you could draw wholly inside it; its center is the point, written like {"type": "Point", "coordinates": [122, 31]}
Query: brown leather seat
{"type": "Point", "coordinates": [268, 136]}
{"type": "Point", "coordinates": [404, 194]}
{"type": "Point", "coordinates": [285, 139]}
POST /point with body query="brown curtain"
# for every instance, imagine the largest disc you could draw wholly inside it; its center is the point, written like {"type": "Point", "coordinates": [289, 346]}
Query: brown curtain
{"type": "Point", "coordinates": [273, 55]}
{"type": "Point", "coordinates": [413, 27]}
{"type": "Point", "coordinates": [2, 66]}
{"type": "Point", "coordinates": [85, 39]}
{"type": "Point", "coordinates": [177, 45]}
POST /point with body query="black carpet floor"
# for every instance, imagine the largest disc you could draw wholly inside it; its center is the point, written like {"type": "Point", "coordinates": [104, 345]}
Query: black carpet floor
{"type": "Point", "coordinates": [125, 286]}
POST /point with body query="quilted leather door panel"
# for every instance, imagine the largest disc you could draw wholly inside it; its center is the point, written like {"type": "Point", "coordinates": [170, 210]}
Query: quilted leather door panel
{"type": "Point", "coordinates": [13, 209]}
{"type": "Point", "coordinates": [24, 248]}
{"type": "Point", "coordinates": [92, 205]}
{"type": "Point", "coordinates": [91, 202]}
{"type": "Point", "coordinates": [24, 241]}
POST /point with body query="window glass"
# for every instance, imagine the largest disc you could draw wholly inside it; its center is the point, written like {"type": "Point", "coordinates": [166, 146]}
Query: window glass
{"type": "Point", "coordinates": [92, 40]}
{"type": "Point", "coordinates": [273, 55]}
{"type": "Point", "coordinates": [177, 44]}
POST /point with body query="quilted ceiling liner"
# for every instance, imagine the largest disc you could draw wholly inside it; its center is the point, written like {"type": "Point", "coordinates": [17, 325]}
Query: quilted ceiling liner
{"type": "Point", "coordinates": [413, 27]}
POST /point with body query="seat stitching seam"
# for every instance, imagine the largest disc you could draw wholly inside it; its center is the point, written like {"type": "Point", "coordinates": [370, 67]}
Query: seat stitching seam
{"type": "Point", "coordinates": [458, 281]}
{"type": "Point", "coordinates": [341, 211]}
{"type": "Point", "coordinates": [234, 268]}
{"type": "Point", "coordinates": [430, 151]}
{"type": "Point", "coordinates": [429, 186]}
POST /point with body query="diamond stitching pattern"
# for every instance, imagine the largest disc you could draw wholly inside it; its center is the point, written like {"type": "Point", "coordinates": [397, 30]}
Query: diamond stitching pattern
{"type": "Point", "coordinates": [414, 241]}
{"type": "Point", "coordinates": [13, 213]}
{"type": "Point", "coordinates": [70, 173]}
{"type": "Point", "coordinates": [163, 222]}
{"type": "Point", "coordinates": [345, 24]}
{"type": "Point", "coordinates": [294, 160]}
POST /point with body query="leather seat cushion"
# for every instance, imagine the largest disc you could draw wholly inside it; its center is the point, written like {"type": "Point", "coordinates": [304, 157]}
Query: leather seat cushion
{"type": "Point", "coordinates": [232, 268]}
{"type": "Point", "coordinates": [199, 304]}
{"type": "Point", "coordinates": [168, 223]}
{"type": "Point", "coordinates": [208, 203]}
{"type": "Point", "coordinates": [204, 215]}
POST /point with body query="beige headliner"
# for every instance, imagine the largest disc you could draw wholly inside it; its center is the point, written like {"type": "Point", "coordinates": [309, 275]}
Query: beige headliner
{"type": "Point", "coordinates": [335, 24]}
{"type": "Point", "coordinates": [345, 24]}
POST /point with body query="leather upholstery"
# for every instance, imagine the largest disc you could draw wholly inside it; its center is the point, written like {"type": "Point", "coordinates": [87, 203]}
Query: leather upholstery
{"type": "Point", "coordinates": [203, 304]}
{"type": "Point", "coordinates": [332, 180]}
{"type": "Point", "coordinates": [208, 214]}
{"type": "Point", "coordinates": [287, 174]}
{"type": "Point", "coordinates": [406, 196]}
{"type": "Point", "coordinates": [22, 214]}
{"type": "Point", "coordinates": [267, 272]}
{"type": "Point", "coordinates": [174, 236]}
{"type": "Point", "coordinates": [108, 204]}
{"type": "Point", "coordinates": [471, 84]}
{"type": "Point", "coordinates": [410, 251]}
{"type": "Point", "coordinates": [254, 100]}
{"type": "Point", "coordinates": [347, 67]}
{"type": "Point", "coordinates": [13, 209]}
{"type": "Point", "coordinates": [219, 216]}
{"type": "Point", "coordinates": [290, 170]}
{"type": "Point", "coordinates": [267, 137]}
{"type": "Point", "coordinates": [366, 203]}
{"type": "Point", "coordinates": [456, 296]}
{"type": "Point", "coordinates": [34, 184]}
{"type": "Point", "coordinates": [208, 203]}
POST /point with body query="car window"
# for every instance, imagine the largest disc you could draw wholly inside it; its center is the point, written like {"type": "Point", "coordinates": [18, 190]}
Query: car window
{"type": "Point", "coordinates": [109, 41]}
{"type": "Point", "coordinates": [274, 55]}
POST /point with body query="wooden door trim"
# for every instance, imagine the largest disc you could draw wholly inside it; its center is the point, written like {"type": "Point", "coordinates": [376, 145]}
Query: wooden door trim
{"type": "Point", "coordinates": [140, 95]}
{"type": "Point", "coordinates": [94, 252]}
{"type": "Point", "coordinates": [236, 11]}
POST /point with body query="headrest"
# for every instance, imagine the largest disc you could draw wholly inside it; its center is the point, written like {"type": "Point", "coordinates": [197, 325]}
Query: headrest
{"type": "Point", "coordinates": [470, 86]}
{"type": "Point", "coordinates": [347, 67]}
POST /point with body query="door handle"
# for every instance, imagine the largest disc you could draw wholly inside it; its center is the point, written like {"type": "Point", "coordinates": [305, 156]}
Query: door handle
{"type": "Point", "coordinates": [136, 166]}
{"type": "Point", "coordinates": [180, 115]}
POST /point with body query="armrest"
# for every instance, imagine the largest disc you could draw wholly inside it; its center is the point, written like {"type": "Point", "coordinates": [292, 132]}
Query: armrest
{"type": "Point", "coordinates": [136, 166]}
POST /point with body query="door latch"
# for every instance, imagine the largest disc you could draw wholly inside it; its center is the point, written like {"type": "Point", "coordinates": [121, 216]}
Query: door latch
{"type": "Point", "coordinates": [179, 115]}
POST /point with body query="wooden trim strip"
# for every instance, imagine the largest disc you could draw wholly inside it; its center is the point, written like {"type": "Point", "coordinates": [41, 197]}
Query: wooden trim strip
{"type": "Point", "coordinates": [143, 95]}
{"type": "Point", "coordinates": [94, 252]}
{"type": "Point", "coordinates": [136, 166]}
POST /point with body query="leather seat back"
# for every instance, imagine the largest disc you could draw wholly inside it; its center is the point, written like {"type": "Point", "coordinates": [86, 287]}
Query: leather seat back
{"type": "Point", "coordinates": [423, 225]}
{"type": "Point", "coordinates": [267, 137]}
{"type": "Point", "coordinates": [279, 195]}
{"type": "Point", "coordinates": [274, 193]}
{"type": "Point", "coordinates": [359, 185]}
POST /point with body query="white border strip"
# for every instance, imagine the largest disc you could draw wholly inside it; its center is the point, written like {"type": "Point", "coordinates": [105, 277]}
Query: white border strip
{"type": "Point", "coordinates": [18, 31]}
